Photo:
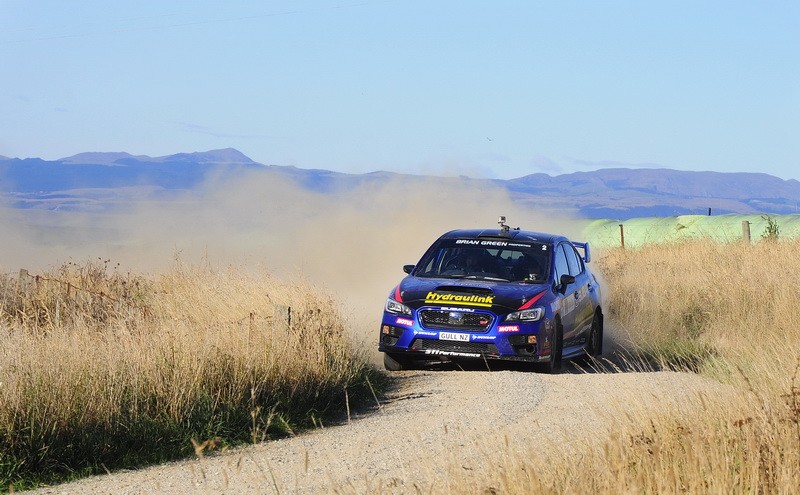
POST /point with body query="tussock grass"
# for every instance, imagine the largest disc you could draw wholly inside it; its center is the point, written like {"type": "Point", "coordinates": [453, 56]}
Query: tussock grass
{"type": "Point", "coordinates": [724, 306]}
{"type": "Point", "coordinates": [731, 312]}
{"type": "Point", "coordinates": [101, 369]}
{"type": "Point", "coordinates": [208, 355]}
{"type": "Point", "coordinates": [727, 311]}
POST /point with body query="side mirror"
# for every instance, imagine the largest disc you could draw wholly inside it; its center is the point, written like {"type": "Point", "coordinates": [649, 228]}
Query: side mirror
{"type": "Point", "coordinates": [408, 268]}
{"type": "Point", "coordinates": [565, 281]}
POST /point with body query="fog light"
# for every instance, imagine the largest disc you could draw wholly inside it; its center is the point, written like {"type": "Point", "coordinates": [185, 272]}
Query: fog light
{"type": "Point", "coordinates": [531, 339]}
{"type": "Point", "coordinates": [392, 331]}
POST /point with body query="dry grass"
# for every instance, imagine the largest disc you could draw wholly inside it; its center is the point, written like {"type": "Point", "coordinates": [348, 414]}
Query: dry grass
{"type": "Point", "coordinates": [729, 309]}
{"type": "Point", "coordinates": [100, 369]}
{"type": "Point", "coordinates": [726, 311]}
{"type": "Point", "coordinates": [194, 341]}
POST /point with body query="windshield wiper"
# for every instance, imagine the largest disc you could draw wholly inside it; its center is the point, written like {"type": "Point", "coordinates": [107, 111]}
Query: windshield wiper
{"type": "Point", "coordinates": [477, 277]}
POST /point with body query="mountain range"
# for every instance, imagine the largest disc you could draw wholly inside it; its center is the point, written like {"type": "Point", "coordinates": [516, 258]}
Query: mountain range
{"type": "Point", "coordinates": [92, 180]}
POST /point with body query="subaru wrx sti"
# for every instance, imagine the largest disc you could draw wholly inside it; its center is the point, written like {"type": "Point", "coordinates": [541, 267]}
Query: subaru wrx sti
{"type": "Point", "coordinates": [495, 294]}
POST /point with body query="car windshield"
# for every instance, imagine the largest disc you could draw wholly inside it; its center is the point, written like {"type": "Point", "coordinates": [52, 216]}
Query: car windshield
{"type": "Point", "coordinates": [486, 260]}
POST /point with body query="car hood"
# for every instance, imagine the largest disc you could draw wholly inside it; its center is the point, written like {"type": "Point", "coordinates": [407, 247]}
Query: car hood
{"type": "Point", "coordinates": [499, 297]}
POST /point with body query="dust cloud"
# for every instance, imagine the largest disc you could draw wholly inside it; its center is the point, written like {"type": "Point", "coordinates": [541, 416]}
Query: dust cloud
{"type": "Point", "coordinates": [351, 243]}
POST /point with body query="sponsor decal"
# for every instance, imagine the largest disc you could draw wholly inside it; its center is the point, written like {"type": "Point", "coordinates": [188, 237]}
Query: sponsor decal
{"type": "Point", "coordinates": [508, 328]}
{"type": "Point", "coordinates": [434, 297]}
{"type": "Point", "coordinates": [483, 337]}
{"type": "Point", "coordinates": [459, 337]}
{"type": "Point", "coordinates": [475, 242]}
{"type": "Point", "coordinates": [437, 352]}
{"type": "Point", "coordinates": [426, 334]}
{"type": "Point", "coordinates": [405, 321]}
{"type": "Point", "coordinates": [532, 301]}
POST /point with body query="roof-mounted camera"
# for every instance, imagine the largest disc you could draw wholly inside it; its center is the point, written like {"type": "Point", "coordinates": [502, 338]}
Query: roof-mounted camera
{"type": "Point", "coordinates": [503, 227]}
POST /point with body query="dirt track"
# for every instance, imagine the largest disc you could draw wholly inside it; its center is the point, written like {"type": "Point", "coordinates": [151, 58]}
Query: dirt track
{"type": "Point", "coordinates": [434, 425]}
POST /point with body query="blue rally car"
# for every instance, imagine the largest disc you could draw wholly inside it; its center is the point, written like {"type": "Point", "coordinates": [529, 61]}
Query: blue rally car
{"type": "Point", "coordinates": [498, 294]}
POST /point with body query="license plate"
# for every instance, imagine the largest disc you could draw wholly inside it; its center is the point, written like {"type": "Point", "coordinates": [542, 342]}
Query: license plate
{"type": "Point", "coordinates": [461, 337]}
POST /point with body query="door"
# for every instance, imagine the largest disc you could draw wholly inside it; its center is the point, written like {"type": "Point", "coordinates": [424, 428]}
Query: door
{"type": "Point", "coordinates": [583, 312]}
{"type": "Point", "coordinates": [567, 300]}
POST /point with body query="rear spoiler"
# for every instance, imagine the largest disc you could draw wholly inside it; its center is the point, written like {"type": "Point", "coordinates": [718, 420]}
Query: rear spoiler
{"type": "Point", "coordinates": [587, 254]}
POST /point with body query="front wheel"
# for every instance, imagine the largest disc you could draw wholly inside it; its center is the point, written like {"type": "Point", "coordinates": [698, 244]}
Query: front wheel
{"type": "Point", "coordinates": [557, 347]}
{"type": "Point", "coordinates": [394, 362]}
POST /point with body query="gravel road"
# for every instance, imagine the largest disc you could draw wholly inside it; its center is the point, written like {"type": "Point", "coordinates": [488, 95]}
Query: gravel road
{"type": "Point", "coordinates": [431, 423]}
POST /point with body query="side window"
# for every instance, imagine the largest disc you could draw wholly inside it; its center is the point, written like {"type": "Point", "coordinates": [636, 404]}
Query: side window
{"type": "Point", "coordinates": [581, 265]}
{"type": "Point", "coordinates": [562, 266]}
{"type": "Point", "coordinates": [573, 260]}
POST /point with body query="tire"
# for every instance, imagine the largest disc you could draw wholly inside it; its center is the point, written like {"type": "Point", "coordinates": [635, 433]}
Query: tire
{"type": "Point", "coordinates": [393, 362]}
{"type": "Point", "coordinates": [596, 336]}
{"type": "Point", "coordinates": [554, 365]}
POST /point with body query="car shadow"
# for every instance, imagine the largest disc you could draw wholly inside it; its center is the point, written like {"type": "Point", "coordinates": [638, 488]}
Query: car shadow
{"type": "Point", "coordinates": [619, 356]}
{"type": "Point", "coordinates": [616, 358]}
{"type": "Point", "coordinates": [613, 362]}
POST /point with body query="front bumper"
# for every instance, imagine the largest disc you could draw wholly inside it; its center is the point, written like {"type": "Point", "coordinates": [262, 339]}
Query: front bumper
{"type": "Point", "coordinates": [519, 342]}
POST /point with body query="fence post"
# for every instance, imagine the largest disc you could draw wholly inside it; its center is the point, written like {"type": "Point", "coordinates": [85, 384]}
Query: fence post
{"type": "Point", "coordinates": [746, 231]}
{"type": "Point", "coordinates": [283, 314]}
{"type": "Point", "coordinates": [622, 235]}
{"type": "Point", "coordinates": [24, 282]}
{"type": "Point", "coordinates": [251, 327]}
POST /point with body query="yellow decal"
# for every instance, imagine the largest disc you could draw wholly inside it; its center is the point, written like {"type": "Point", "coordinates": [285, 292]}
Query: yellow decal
{"type": "Point", "coordinates": [438, 298]}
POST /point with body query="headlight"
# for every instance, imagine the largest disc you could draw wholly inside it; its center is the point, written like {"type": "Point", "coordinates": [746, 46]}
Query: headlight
{"type": "Point", "coordinates": [534, 314]}
{"type": "Point", "coordinates": [395, 307]}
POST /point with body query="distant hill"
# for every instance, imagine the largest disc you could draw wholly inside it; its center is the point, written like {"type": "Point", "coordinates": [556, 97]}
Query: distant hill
{"type": "Point", "coordinates": [627, 193]}
{"type": "Point", "coordinates": [224, 156]}
{"type": "Point", "coordinates": [117, 170]}
{"type": "Point", "coordinates": [619, 193]}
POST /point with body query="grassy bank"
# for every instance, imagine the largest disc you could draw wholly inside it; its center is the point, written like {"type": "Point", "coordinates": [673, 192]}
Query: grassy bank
{"type": "Point", "coordinates": [728, 312]}
{"type": "Point", "coordinates": [102, 370]}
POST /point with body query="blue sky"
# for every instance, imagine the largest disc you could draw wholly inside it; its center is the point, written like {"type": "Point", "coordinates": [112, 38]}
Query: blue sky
{"type": "Point", "coordinates": [486, 89]}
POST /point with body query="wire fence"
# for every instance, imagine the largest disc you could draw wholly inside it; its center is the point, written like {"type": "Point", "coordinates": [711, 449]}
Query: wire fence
{"type": "Point", "coordinates": [25, 277]}
{"type": "Point", "coordinates": [35, 302]}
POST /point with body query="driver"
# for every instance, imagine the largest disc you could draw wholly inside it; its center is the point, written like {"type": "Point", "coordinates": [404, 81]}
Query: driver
{"type": "Point", "coordinates": [529, 268]}
{"type": "Point", "coordinates": [479, 261]}
{"type": "Point", "coordinates": [472, 261]}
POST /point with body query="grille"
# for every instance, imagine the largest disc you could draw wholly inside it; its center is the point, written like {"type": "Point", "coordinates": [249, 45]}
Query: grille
{"type": "Point", "coordinates": [446, 345]}
{"type": "Point", "coordinates": [456, 320]}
